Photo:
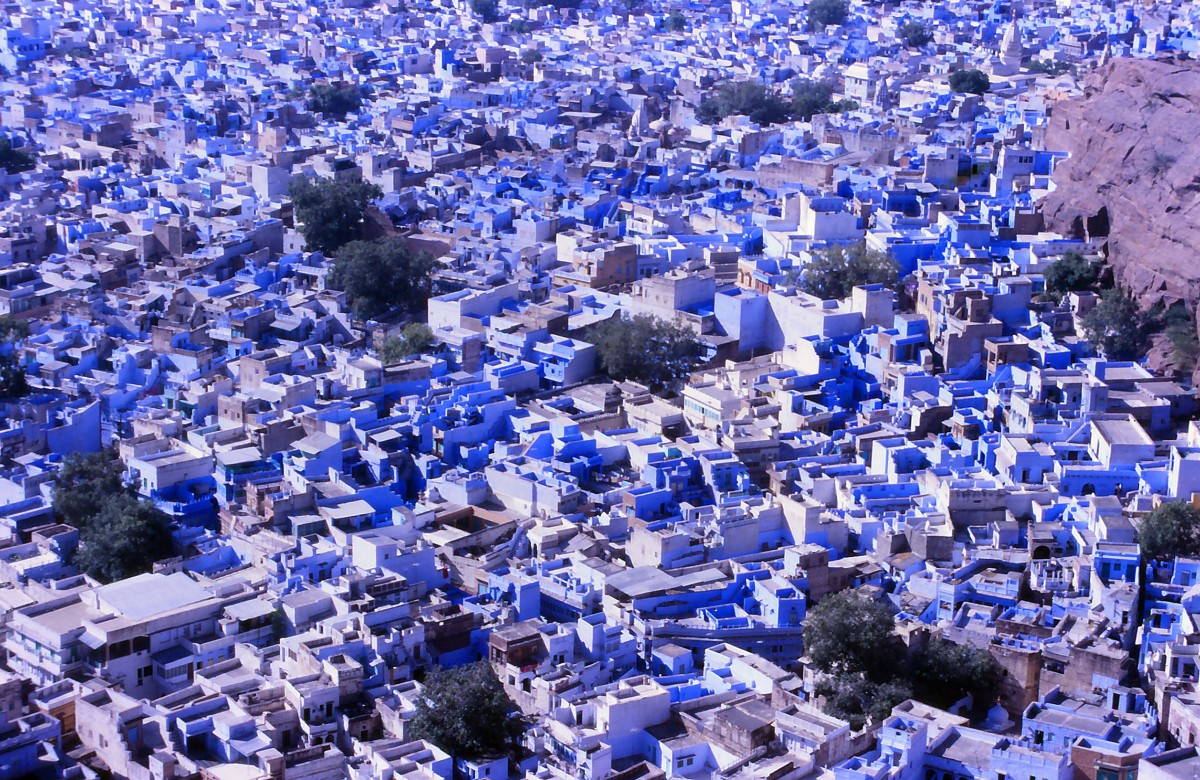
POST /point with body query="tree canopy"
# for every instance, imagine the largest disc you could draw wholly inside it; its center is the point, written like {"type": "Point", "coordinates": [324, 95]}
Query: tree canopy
{"type": "Point", "coordinates": [14, 381]}
{"type": "Point", "coordinates": [765, 105]}
{"type": "Point", "coordinates": [13, 159]}
{"type": "Point", "coordinates": [121, 534]}
{"type": "Point", "coordinates": [334, 100]}
{"type": "Point", "coordinates": [848, 640]}
{"type": "Point", "coordinates": [822, 13]}
{"type": "Point", "coordinates": [380, 275]}
{"type": "Point", "coordinates": [973, 81]}
{"type": "Point", "coordinates": [487, 10]}
{"type": "Point", "coordinates": [12, 329]}
{"type": "Point", "coordinates": [815, 96]}
{"type": "Point", "coordinates": [1171, 529]}
{"type": "Point", "coordinates": [126, 536]}
{"type": "Point", "coordinates": [863, 672]}
{"type": "Point", "coordinates": [1071, 273]}
{"type": "Point", "coordinates": [846, 633]}
{"type": "Point", "coordinates": [1180, 329]}
{"type": "Point", "coordinates": [915, 34]}
{"type": "Point", "coordinates": [856, 699]}
{"type": "Point", "coordinates": [645, 348]}
{"type": "Point", "coordinates": [330, 211]}
{"type": "Point", "coordinates": [836, 270]}
{"type": "Point", "coordinates": [944, 672]}
{"type": "Point", "coordinates": [753, 99]}
{"type": "Point", "coordinates": [413, 340]}
{"type": "Point", "coordinates": [465, 712]}
{"type": "Point", "coordinates": [83, 483]}
{"type": "Point", "coordinates": [1051, 68]}
{"type": "Point", "coordinates": [530, 56]}
{"type": "Point", "coordinates": [1116, 326]}
{"type": "Point", "coordinates": [675, 21]}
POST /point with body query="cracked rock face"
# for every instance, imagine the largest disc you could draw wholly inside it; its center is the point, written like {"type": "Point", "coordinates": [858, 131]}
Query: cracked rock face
{"type": "Point", "coordinates": [1134, 174]}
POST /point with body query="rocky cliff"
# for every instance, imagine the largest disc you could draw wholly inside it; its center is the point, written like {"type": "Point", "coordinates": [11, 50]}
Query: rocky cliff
{"type": "Point", "coordinates": [1134, 174]}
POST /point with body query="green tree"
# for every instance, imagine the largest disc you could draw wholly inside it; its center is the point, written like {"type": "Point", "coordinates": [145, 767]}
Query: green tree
{"type": "Point", "coordinates": [836, 270]}
{"type": "Point", "coordinates": [1051, 68]}
{"type": "Point", "coordinates": [330, 211]}
{"type": "Point", "coordinates": [862, 672]}
{"type": "Point", "coordinates": [759, 102]}
{"type": "Point", "coordinates": [79, 53]}
{"type": "Point", "coordinates": [945, 672]}
{"type": "Point", "coordinates": [822, 13]}
{"type": "Point", "coordinates": [645, 348]}
{"type": "Point", "coordinates": [84, 483]}
{"type": "Point", "coordinates": [815, 96]}
{"type": "Point", "coordinates": [333, 100]}
{"type": "Point", "coordinates": [1171, 529]}
{"type": "Point", "coordinates": [465, 712]}
{"type": "Point", "coordinates": [849, 642]}
{"type": "Point", "coordinates": [12, 329]}
{"type": "Point", "coordinates": [1116, 325]}
{"type": "Point", "coordinates": [914, 34]}
{"type": "Point", "coordinates": [126, 536]}
{"type": "Point", "coordinates": [1071, 273]}
{"type": "Point", "coordinates": [849, 634]}
{"type": "Point", "coordinates": [486, 10]}
{"type": "Point", "coordinates": [1180, 329]}
{"type": "Point", "coordinates": [413, 340]}
{"type": "Point", "coordinates": [12, 159]}
{"type": "Point", "coordinates": [14, 382]}
{"type": "Point", "coordinates": [381, 274]}
{"type": "Point", "coordinates": [856, 699]}
{"type": "Point", "coordinates": [675, 21]}
{"type": "Point", "coordinates": [520, 26]}
{"type": "Point", "coordinates": [973, 81]}
{"type": "Point", "coordinates": [279, 625]}
{"type": "Point", "coordinates": [530, 56]}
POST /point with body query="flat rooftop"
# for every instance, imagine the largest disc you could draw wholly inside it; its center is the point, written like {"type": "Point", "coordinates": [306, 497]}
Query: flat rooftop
{"type": "Point", "coordinates": [1122, 432]}
{"type": "Point", "coordinates": [967, 748]}
{"type": "Point", "coordinates": [1181, 764]}
{"type": "Point", "coordinates": [65, 618]}
{"type": "Point", "coordinates": [151, 594]}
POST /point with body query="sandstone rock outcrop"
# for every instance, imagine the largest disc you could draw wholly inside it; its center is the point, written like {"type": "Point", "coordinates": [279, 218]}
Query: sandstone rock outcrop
{"type": "Point", "coordinates": [1134, 174]}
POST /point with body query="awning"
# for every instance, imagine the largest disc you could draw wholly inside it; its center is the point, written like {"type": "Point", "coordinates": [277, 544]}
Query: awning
{"type": "Point", "coordinates": [248, 610]}
{"type": "Point", "coordinates": [172, 655]}
{"type": "Point", "coordinates": [92, 641]}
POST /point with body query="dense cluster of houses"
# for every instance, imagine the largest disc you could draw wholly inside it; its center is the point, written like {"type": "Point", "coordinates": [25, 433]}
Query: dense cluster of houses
{"type": "Point", "coordinates": [635, 566]}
